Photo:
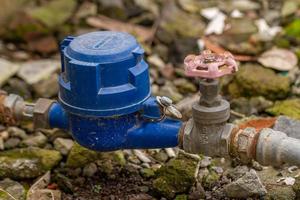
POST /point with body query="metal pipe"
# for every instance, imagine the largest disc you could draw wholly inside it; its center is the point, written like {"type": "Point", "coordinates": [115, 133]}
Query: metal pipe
{"type": "Point", "coordinates": [276, 148]}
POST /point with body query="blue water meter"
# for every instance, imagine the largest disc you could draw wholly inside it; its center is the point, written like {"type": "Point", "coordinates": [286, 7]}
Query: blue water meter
{"type": "Point", "coordinates": [105, 98]}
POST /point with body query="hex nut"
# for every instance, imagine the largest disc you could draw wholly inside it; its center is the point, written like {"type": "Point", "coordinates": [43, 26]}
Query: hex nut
{"type": "Point", "coordinates": [40, 113]}
{"type": "Point", "coordinates": [226, 139]}
{"type": "Point", "coordinates": [245, 144]}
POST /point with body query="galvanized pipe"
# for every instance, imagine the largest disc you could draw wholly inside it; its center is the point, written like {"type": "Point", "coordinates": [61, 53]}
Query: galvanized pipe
{"type": "Point", "coordinates": [276, 148]}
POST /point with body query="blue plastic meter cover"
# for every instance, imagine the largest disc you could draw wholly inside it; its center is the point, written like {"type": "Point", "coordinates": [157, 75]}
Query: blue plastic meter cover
{"type": "Point", "coordinates": [103, 74]}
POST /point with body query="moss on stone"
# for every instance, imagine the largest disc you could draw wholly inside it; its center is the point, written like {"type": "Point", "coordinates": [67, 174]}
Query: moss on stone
{"type": "Point", "coordinates": [80, 156]}
{"type": "Point", "coordinates": [54, 13]}
{"type": "Point", "coordinates": [210, 179]}
{"type": "Point", "coordinates": [27, 162]}
{"type": "Point", "coordinates": [293, 29]}
{"type": "Point", "coordinates": [254, 80]}
{"type": "Point", "coordinates": [280, 193]}
{"type": "Point", "coordinates": [290, 107]}
{"type": "Point", "coordinates": [177, 176]}
{"type": "Point", "coordinates": [177, 22]}
{"type": "Point", "coordinates": [181, 197]}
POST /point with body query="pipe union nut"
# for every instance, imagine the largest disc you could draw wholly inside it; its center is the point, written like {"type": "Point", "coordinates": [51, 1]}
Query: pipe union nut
{"type": "Point", "coordinates": [244, 144]}
{"type": "Point", "coordinates": [40, 113]}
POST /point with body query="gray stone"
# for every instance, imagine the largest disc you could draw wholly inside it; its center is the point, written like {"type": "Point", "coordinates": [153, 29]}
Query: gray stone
{"type": "Point", "coordinates": [10, 188]}
{"type": "Point", "coordinates": [34, 71]}
{"type": "Point", "coordinates": [63, 145]}
{"type": "Point", "coordinates": [205, 162]}
{"type": "Point", "coordinates": [17, 132]}
{"type": "Point", "coordinates": [237, 172]}
{"type": "Point", "coordinates": [288, 125]}
{"type": "Point", "coordinates": [7, 69]}
{"type": "Point", "coordinates": [37, 140]}
{"type": "Point", "coordinates": [89, 170]}
{"type": "Point", "coordinates": [47, 87]}
{"type": "Point", "coordinates": [161, 156]}
{"type": "Point", "coordinates": [19, 87]}
{"type": "Point", "coordinates": [11, 143]}
{"type": "Point", "coordinates": [248, 185]}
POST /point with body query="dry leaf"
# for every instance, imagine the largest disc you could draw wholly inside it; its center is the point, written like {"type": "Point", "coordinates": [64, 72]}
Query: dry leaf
{"type": "Point", "coordinates": [38, 192]}
{"type": "Point", "coordinates": [279, 59]}
{"type": "Point", "coordinates": [143, 34]}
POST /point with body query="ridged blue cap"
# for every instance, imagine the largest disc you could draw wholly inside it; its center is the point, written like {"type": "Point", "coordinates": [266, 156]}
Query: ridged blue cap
{"type": "Point", "coordinates": [103, 74]}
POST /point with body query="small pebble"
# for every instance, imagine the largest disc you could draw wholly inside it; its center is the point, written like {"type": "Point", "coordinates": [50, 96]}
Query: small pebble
{"type": "Point", "coordinates": [90, 170]}
{"type": "Point", "coordinates": [142, 156]}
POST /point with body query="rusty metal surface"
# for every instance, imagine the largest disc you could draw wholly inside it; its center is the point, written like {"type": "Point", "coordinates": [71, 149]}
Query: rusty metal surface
{"type": "Point", "coordinates": [6, 114]}
{"type": "Point", "coordinates": [243, 144]}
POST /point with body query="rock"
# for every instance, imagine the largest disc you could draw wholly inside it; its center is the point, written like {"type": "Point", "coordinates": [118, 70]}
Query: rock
{"type": "Point", "coordinates": [48, 87]}
{"type": "Point", "coordinates": [34, 71]}
{"type": "Point", "coordinates": [177, 176]}
{"type": "Point", "coordinates": [11, 190]}
{"type": "Point", "coordinates": [80, 156]}
{"type": "Point", "coordinates": [112, 8]}
{"type": "Point", "coordinates": [7, 70]}
{"type": "Point", "coordinates": [148, 5]}
{"type": "Point", "coordinates": [241, 5]}
{"type": "Point", "coordinates": [237, 172]}
{"type": "Point", "coordinates": [170, 152]}
{"type": "Point", "coordinates": [288, 125]}
{"type": "Point", "coordinates": [161, 156]}
{"type": "Point", "coordinates": [280, 193]}
{"type": "Point", "coordinates": [240, 28]}
{"type": "Point", "coordinates": [248, 185]}
{"type": "Point", "coordinates": [290, 108]}
{"type": "Point", "coordinates": [19, 87]}
{"type": "Point", "coordinates": [205, 162]}
{"type": "Point", "coordinates": [44, 45]}
{"type": "Point", "coordinates": [37, 140]}
{"type": "Point", "coordinates": [296, 187]}
{"type": "Point", "coordinates": [176, 22]}
{"type": "Point", "coordinates": [63, 145]}
{"type": "Point", "coordinates": [289, 8]}
{"type": "Point", "coordinates": [45, 13]}
{"type": "Point", "coordinates": [293, 29]}
{"type": "Point", "coordinates": [197, 192]}
{"type": "Point", "coordinates": [86, 9]}
{"type": "Point", "coordinates": [193, 6]}
{"type": "Point", "coordinates": [254, 80]}
{"type": "Point", "coordinates": [11, 143]}
{"type": "Point", "coordinates": [210, 180]}
{"type": "Point", "coordinates": [17, 132]}
{"type": "Point", "coordinates": [170, 91]}
{"type": "Point", "coordinates": [251, 106]}
{"type": "Point", "coordinates": [142, 156]}
{"type": "Point", "coordinates": [181, 197]}
{"type": "Point", "coordinates": [27, 162]}
{"type": "Point", "coordinates": [8, 9]}
{"type": "Point", "coordinates": [147, 172]}
{"type": "Point", "coordinates": [185, 86]}
{"type": "Point", "coordinates": [64, 182]}
{"type": "Point", "coordinates": [90, 170]}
